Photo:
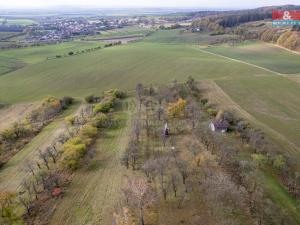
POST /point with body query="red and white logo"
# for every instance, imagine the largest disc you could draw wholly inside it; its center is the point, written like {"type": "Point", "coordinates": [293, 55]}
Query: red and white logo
{"type": "Point", "coordinates": [286, 15]}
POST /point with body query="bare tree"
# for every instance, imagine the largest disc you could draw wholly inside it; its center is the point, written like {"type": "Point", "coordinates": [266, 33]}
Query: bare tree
{"type": "Point", "coordinates": [161, 167]}
{"type": "Point", "coordinates": [44, 156]}
{"type": "Point", "coordinates": [149, 169]}
{"type": "Point", "coordinates": [174, 182]}
{"type": "Point", "coordinates": [139, 91]}
{"type": "Point", "coordinates": [26, 202]}
{"type": "Point", "coordinates": [184, 171]}
{"type": "Point", "coordinates": [193, 113]}
{"type": "Point", "coordinates": [125, 159]}
{"type": "Point", "coordinates": [51, 154]}
{"type": "Point", "coordinates": [30, 167]}
{"type": "Point", "coordinates": [160, 113]}
{"type": "Point", "coordinates": [141, 196]}
{"type": "Point", "coordinates": [136, 129]}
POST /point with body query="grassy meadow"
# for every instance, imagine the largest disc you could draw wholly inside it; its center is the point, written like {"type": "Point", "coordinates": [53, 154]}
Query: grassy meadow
{"type": "Point", "coordinates": [21, 22]}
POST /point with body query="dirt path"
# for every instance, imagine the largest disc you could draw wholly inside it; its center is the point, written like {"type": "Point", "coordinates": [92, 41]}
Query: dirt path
{"type": "Point", "coordinates": [14, 171]}
{"type": "Point", "coordinates": [94, 192]}
{"type": "Point", "coordinates": [14, 113]}
{"type": "Point", "coordinates": [216, 95]}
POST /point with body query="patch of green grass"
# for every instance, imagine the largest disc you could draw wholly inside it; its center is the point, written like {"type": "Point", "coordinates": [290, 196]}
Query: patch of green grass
{"type": "Point", "coordinates": [179, 37]}
{"type": "Point", "coordinates": [9, 64]}
{"type": "Point", "coordinates": [5, 35]}
{"type": "Point", "coordinates": [126, 31]}
{"type": "Point", "coordinates": [41, 53]}
{"type": "Point", "coordinates": [281, 197]}
{"type": "Point", "coordinates": [262, 54]}
{"type": "Point", "coordinates": [22, 22]}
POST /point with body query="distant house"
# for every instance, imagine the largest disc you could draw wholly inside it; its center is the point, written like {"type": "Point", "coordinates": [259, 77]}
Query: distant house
{"type": "Point", "coordinates": [219, 125]}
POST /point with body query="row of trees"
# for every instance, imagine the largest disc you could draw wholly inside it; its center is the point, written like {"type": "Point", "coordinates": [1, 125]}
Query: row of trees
{"type": "Point", "coordinates": [14, 138]}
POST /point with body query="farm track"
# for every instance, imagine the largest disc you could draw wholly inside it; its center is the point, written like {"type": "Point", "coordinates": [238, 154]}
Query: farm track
{"type": "Point", "coordinates": [218, 96]}
{"type": "Point", "coordinates": [15, 113]}
{"type": "Point", "coordinates": [14, 171]}
{"type": "Point", "coordinates": [94, 192]}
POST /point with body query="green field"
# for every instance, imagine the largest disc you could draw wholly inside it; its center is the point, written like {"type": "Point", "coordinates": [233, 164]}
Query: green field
{"type": "Point", "coordinates": [16, 58]}
{"type": "Point", "coordinates": [22, 22]}
{"type": "Point", "coordinates": [5, 35]}
{"type": "Point", "coordinates": [9, 64]}
{"type": "Point", "coordinates": [262, 54]}
{"type": "Point", "coordinates": [126, 31]}
{"type": "Point", "coordinates": [272, 100]}
{"type": "Point", "coordinates": [41, 53]}
{"type": "Point", "coordinates": [120, 66]}
{"type": "Point", "coordinates": [177, 37]}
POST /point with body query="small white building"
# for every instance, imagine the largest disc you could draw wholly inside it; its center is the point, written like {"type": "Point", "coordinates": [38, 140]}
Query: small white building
{"type": "Point", "coordinates": [219, 125]}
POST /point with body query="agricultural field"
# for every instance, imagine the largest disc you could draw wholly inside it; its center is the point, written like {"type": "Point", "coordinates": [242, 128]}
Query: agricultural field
{"type": "Point", "coordinates": [126, 31]}
{"type": "Point", "coordinates": [31, 55]}
{"type": "Point", "coordinates": [117, 67]}
{"type": "Point", "coordinates": [22, 22]}
{"type": "Point", "coordinates": [262, 54]}
{"type": "Point", "coordinates": [6, 35]}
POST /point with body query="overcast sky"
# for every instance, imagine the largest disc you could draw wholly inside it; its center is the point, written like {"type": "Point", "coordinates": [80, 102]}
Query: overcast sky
{"type": "Point", "coordinates": [145, 3]}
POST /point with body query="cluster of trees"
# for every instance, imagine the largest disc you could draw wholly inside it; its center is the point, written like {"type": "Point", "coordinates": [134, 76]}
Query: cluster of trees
{"type": "Point", "coordinates": [163, 169]}
{"type": "Point", "coordinates": [14, 138]}
{"type": "Point", "coordinates": [172, 27]}
{"type": "Point", "coordinates": [234, 20]}
{"type": "Point", "coordinates": [48, 174]}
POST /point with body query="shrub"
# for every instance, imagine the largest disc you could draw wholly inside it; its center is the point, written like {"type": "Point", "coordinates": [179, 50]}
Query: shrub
{"type": "Point", "coordinates": [101, 121]}
{"type": "Point", "coordinates": [71, 53]}
{"type": "Point", "coordinates": [177, 109]}
{"type": "Point", "coordinates": [115, 93]}
{"type": "Point", "coordinates": [89, 131]}
{"type": "Point", "coordinates": [52, 102]}
{"type": "Point", "coordinates": [212, 112]}
{"type": "Point", "coordinates": [66, 101]}
{"type": "Point", "coordinates": [104, 106]}
{"type": "Point", "coordinates": [259, 159]}
{"type": "Point", "coordinates": [279, 162]}
{"type": "Point", "coordinates": [90, 99]}
{"type": "Point", "coordinates": [70, 119]}
{"type": "Point", "coordinates": [73, 150]}
{"type": "Point", "coordinates": [8, 135]}
{"type": "Point", "coordinates": [120, 94]}
{"type": "Point", "coordinates": [204, 101]}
